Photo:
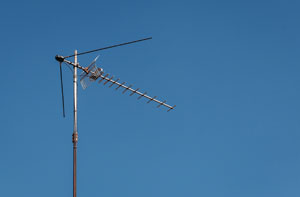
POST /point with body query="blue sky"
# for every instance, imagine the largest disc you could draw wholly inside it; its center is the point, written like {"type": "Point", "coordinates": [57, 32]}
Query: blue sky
{"type": "Point", "coordinates": [231, 67]}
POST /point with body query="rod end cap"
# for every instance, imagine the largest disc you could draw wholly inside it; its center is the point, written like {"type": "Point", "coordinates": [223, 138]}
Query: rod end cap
{"type": "Point", "coordinates": [59, 58]}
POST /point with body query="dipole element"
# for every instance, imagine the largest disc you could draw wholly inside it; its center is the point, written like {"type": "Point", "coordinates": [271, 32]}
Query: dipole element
{"type": "Point", "coordinates": [75, 133]}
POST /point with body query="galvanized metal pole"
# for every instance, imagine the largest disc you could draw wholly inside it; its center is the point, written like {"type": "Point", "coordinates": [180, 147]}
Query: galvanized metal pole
{"type": "Point", "coordinates": [75, 133]}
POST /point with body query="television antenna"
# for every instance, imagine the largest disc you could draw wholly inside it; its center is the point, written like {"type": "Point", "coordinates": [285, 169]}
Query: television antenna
{"type": "Point", "coordinates": [91, 74]}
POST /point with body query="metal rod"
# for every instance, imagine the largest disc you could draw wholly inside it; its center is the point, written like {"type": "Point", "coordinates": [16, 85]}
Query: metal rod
{"type": "Point", "coordinates": [75, 133]}
{"type": "Point", "coordinates": [75, 65]}
{"type": "Point", "coordinates": [137, 92]}
{"type": "Point", "coordinates": [117, 45]}
{"type": "Point", "coordinates": [62, 90]}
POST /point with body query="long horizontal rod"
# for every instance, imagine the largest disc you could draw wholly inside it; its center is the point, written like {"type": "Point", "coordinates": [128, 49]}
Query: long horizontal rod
{"type": "Point", "coordinates": [117, 45]}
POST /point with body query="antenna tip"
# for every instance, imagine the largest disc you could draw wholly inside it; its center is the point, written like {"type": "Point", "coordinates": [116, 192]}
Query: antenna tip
{"type": "Point", "coordinates": [59, 58]}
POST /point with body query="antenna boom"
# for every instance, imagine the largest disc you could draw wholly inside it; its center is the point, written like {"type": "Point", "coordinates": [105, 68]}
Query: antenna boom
{"type": "Point", "coordinates": [133, 91]}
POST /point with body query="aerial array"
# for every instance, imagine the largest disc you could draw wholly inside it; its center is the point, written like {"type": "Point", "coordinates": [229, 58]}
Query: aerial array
{"type": "Point", "coordinates": [91, 74]}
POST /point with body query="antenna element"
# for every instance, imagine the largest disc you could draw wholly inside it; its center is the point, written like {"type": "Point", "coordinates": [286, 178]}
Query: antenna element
{"type": "Point", "coordinates": [109, 47]}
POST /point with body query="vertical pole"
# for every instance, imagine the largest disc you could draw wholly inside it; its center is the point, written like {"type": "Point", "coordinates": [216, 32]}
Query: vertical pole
{"type": "Point", "coordinates": [75, 134]}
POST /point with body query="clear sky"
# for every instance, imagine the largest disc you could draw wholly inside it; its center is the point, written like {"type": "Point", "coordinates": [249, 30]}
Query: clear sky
{"type": "Point", "coordinates": [231, 67]}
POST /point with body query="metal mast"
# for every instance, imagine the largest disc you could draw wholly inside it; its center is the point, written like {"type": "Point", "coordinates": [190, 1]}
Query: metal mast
{"type": "Point", "coordinates": [75, 133]}
{"type": "Point", "coordinates": [91, 74]}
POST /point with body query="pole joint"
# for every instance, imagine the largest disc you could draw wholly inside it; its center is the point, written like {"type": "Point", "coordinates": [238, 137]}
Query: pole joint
{"type": "Point", "coordinates": [75, 137]}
